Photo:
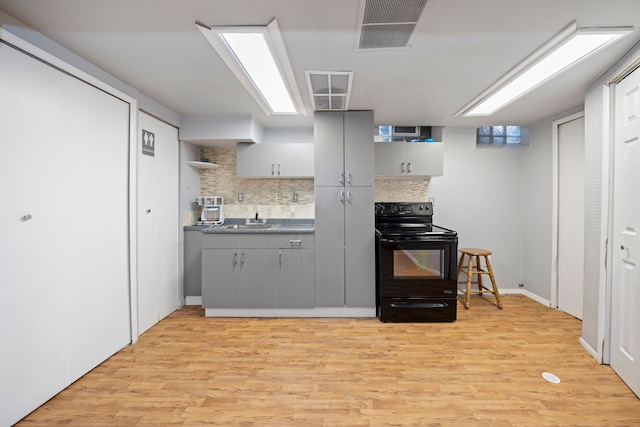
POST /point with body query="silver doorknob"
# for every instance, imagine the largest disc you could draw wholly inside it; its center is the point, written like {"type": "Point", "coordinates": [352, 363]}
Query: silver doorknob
{"type": "Point", "coordinates": [26, 217]}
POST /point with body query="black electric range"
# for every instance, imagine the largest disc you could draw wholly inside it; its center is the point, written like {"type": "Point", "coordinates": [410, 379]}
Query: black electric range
{"type": "Point", "coordinates": [416, 264]}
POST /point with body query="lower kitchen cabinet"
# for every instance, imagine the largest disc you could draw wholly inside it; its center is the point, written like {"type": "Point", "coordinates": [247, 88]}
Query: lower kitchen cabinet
{"type": "Point", "coordinates": [257, 276]}
{"type": "Point", "coordinates": [239, 278]}
{"type": "Point", "coordinates": [219, 287]}
{"type": "Point", "coordinates": [296, 278]}
{"type": "Point", "coordinates": [257, 271]}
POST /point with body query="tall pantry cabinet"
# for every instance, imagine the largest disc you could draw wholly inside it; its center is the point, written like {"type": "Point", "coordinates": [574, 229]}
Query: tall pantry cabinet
{"type": "Point", "coordinates": [344, 222]}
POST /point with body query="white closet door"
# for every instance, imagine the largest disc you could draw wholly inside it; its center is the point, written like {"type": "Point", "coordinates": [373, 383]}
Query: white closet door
{"type": "Point", "coordinates": [63, 268]}
{"type": "Point", "coordinates": [98, 219]}
{"type": "Point", "coordinates": [34, 326]}
{"type": "Point", "coordinates": [159, 280]}
{"type": "Point", "coordinates": [571, 216]}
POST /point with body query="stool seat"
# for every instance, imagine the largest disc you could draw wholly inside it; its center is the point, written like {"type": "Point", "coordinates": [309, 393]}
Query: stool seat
{"type": "Point", "coordinates": [478, 271]}
{"type": "Point", "coordinates": [475, 251]}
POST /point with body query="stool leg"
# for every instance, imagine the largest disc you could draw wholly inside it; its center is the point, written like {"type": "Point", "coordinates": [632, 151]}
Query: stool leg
{"type": "Point", "coordinates": [493, 282]}
{"type": "Point", "coordinates": [479, 275]}
{"type": "Point", "coordinates": [469, 276]}
{"type": "Point", "coordinates": [460, 266]}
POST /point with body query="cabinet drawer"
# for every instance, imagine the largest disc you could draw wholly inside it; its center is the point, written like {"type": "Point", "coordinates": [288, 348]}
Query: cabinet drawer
{"type": "Point", "coordinates": [295, 241]}
{"type": "Point", "coordinates": [220, 241]}
{"type": "Point", "coordinates": [257, 241]}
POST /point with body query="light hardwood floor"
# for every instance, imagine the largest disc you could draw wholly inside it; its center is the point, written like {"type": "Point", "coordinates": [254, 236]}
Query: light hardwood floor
{"type": "Point", "coordinates": [482, 370]}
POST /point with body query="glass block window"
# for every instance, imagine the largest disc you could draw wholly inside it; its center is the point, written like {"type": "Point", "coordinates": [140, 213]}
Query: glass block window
{"type": "Point", "coordinates": [498, 135]}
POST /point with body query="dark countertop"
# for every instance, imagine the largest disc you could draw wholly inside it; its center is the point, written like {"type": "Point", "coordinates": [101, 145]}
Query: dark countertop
{"type": "Point", "coordinates": [272, 226]}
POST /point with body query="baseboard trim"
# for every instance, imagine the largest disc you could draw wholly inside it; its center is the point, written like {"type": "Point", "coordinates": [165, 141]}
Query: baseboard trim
{"type": "Point", "coordinates": [589, 349]}
{"type": "Point", "coordinates": [292, 312]}
{"type": "Point", "coordinates": [536, 298]}
{"type": "Point", "coordinates": [510, 291]}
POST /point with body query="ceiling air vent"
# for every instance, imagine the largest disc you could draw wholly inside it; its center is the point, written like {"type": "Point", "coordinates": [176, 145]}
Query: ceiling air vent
{"type": "Point", "coordinates": [330, 90]}
{"type": "Point", "coordinates": [388, 24]}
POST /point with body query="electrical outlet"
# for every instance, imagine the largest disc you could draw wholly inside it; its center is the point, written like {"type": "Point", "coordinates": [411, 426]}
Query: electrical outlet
{"type": "Point", "coordinates": [240, 197]}
{"type": "Point", "coordinates": [295, 197]}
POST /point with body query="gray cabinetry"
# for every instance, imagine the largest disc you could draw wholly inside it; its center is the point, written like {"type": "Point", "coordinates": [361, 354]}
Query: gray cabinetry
{"type": "Point", "coordinates": [257, 278]}
{"type": "Point", "coordinates": [219, 287]}
{"type": "Point", "coordinates": [192, 263]}
{"type": "Point", "coordinates": [359, 248]}
{"type": "Point", "coordinates": [344, 260]}
{"type": "Point", "coordinates": [286, 160]}
{"type": "Point", "coordinates": [408, 159]}
{"type": "Point", "coordinates": [257, 271]}
{"type": "Point", "coordinates": [296, 274]}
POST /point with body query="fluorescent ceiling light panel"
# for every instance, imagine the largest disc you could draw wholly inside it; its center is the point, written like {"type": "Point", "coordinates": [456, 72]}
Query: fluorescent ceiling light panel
{"type": "Point", "coordinates": [566, 49]}
{"type": "Point", "coordinates": [257, 57]}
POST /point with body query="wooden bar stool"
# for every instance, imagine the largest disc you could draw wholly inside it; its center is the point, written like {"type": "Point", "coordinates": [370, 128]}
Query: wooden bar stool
{"type": "Point", "coordinates": [476, 253]}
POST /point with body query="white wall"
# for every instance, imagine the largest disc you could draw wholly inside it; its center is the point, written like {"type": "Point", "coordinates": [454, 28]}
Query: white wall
{"type": "Point", "coordinates": [286, 135]}
{"type": "Point", "coordinates": [537, 214]}
{"type": "Point", "coordinates": [480, 197]}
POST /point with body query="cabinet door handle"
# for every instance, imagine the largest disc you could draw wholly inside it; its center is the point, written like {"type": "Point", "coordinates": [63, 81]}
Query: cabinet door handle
{"type": "Point", "coordinates": [342, 196]}
{"type": "Point", "coordinates": [278, 169]}
{"type": "Point", "coordinates": [296, 242]}
{"type": "Point", "coordinates": [242, 259]}
{"type": "Point", "coordinates": [409, 167]}
{"type": "Point", "coordinates": [341, 179]}
{"type": "Point", "coordinates": [402, 167]}
{"type": "Point", "coordinates": [348, 177]}
{"type": "Point", "coordinates": [235, 258]}
{"type": "Point", "coordinates": [273, 169]}
{"type": "Point", "coordinates": [349, 196]}
{"type": "Point", "coordinates": [280, 258]}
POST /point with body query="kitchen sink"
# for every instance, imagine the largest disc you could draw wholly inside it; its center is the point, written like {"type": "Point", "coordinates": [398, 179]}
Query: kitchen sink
{"type": "Point", "coordinates": [250, 226]}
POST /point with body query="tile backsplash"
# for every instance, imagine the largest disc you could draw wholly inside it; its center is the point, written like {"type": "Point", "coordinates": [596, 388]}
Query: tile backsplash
{"type": "Point", "coordinates": [401, 190]}
{"type": "Point", "coordinates": [273, 198]}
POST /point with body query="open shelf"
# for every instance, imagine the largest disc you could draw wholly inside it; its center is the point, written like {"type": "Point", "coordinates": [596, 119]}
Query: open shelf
{"type": "Point", "coordinates": [202, 165]}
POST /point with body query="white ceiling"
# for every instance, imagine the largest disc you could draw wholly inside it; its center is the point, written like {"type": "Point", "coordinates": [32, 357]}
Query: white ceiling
{"type": "Point", "coordinates": [463, 47]}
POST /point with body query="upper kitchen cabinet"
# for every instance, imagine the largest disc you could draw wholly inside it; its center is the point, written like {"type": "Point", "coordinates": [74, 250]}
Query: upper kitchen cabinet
{"type": "Point", "coordinates": [408, 159]}
{"type": "Point", "coordinates": [286, 160]}
{"type": "Point", "coordinates": [345, 153]}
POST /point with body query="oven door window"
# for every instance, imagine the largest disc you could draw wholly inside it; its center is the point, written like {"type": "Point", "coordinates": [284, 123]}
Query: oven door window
{"type": "Point", "coordinates": [411, 263]}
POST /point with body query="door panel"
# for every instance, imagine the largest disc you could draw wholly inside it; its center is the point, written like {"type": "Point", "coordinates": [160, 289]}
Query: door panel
{"type": "Point", "coordinates": [64, 230]}
{"type": "Point", "coordinates": [34, 336]}
{"type": "Point", "coordinates": [328, 136]}
{"type": "Point", "coordinates": [329, 225]}
{"type": "Point", "coordinates": [571, 217]}
{"type": "Point", "coordinates": [358, 148]}
{"type": "Point", "coordinates": [360, 280]}
{"type": "Point", "coordinates": [158, 225]}
{"type": "Point", "coordinates": [625, 305]}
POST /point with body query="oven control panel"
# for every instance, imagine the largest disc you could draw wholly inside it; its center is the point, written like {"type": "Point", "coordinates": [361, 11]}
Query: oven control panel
{"type": "Point", "coordinates": [402, 208]}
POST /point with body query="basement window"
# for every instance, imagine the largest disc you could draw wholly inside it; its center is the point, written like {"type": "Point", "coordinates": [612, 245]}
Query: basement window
{"type": "Point", "coordinates": [501, 136]}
